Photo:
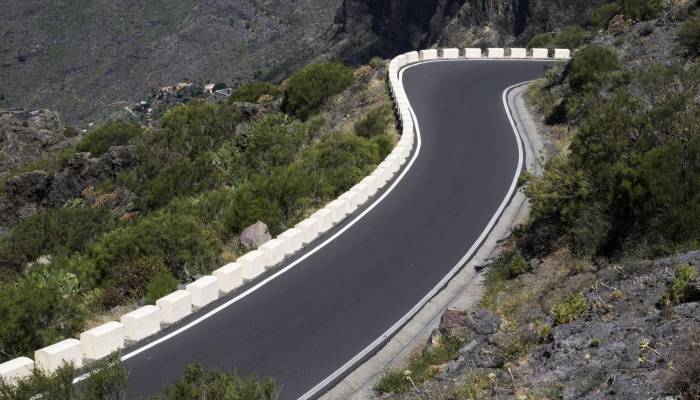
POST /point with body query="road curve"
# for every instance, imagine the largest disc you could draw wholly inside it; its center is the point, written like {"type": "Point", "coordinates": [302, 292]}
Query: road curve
{"type": "Point", "coordinates": [309, 321]}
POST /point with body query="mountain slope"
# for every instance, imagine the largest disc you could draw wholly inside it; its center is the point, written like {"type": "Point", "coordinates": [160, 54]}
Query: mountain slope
{"type": "Point", "coordinates": [88, 56]}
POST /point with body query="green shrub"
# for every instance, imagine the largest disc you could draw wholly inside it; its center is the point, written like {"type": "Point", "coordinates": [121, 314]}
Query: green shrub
{"type": "Point", "coordinates": [37, 310]}
{"type": "Point", "coordinates": [272, 141]}
{"type": "Point", "coordinates": [113, 133]}
{"type": "Point", "coordinates": [421, 366]}
{"type": "Point", "coordinates": [132, 278]}
{"type": "Point", "coordinates": [541, 40]}
{"type": "Point", "coordinates": [385, 144]}
{"type": "Point", "coordinates": [641, 10]}
{"type": "Point", "coordinates": [192, 129]}
{"type": "Point", "coordinates": [603, 14]}
{"type": "Point", "coordinates": [689, 35]}
{"type": "Point", "coordinates": [247, 206]}
{"type": "Point", "coordinates": [374, 124]}
{"type": "Point", "coordinates": [590, 65]}
{"type": "Point", "coordinates": [61, 231]}
{"type": "Point", "coordinates": [252, 91]}
{"type": "Point", "coordinates": [569, 309]}
{"type": "Point", "coordinates": [106, 382]}
{"type": "Point", "coordinates": [161, 284]}
{"type": "Point", "coordinates": [570, 37]}
{"type": "Point", "coordinates": [201, 384]}
{"type": "Point", "coordinates": [183, 244]}
{"type": "Point", "coordinates": [680, 289]}
{"type": "Point", "coordinates": [183, 178]}
{"type": "Point", "coordinates": [309, 88]}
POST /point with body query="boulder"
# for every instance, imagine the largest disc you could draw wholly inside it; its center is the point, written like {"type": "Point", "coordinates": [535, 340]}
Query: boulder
{"type": "Point", "coordinates": [453, 321]}
{"type": "Point", "coordinates": [255, 235]}
{"type": "Point", "coordinates": [484, 322]}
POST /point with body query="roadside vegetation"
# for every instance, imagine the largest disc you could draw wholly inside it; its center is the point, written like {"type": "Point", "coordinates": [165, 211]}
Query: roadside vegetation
{"type": "Point", "coordinates": [109, 379]}
{"type": "Point", "coordinates": [606, 259]}
{"type": "Point", "coordinates": [203, 174]}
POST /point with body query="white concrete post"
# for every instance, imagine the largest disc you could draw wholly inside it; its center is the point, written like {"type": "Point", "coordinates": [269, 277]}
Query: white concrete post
{"type": "Point", "coordinates": [16, 369]}
{"type": "Point", "coordinates": [175, 306]}
{"type": "Point", "coordinates": [253, 264]}
{"type": "Point", "coordinates": [204, 290]}
{"type": "Point", "coordinates": [518, 53]}
{"type": "Point", "coordinates": [274, 250]}
{"type": "Point", "coordinates": [472, 52]}
{"type": "Point", "coordinates": [230, 277]}
{"type": "Point", "coordinates": [540, 53]}
{"type": "Point", "coordinates": [562, 54]}
{"type": "Point", "coordinates": [141, 323]}
{"type": "Point", "coordinates": [293, 239]}
{"type": "Point", "coordinates": [450, 53]}
{"type": "Point", "coordinates": [310, 229]}
{"type": "Point", "coordinates": [429, 54]}
{"type": "Point", "coordinates": [51, 358]}
{"type": "Point", "coordinates": [496, 52]}
{"type": "Point", "coordinates": [100, 342]}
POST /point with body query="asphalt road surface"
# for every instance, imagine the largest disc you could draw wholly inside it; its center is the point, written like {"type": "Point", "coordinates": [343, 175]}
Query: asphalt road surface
{"type": "Point", "coordinates": [309, 321]}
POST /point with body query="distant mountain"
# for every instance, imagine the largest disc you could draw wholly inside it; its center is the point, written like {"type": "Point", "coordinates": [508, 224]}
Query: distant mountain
{"type": "Point", "coordinates": [84, 57]}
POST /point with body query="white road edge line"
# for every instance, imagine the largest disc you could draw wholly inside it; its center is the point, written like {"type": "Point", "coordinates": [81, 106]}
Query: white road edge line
{"type": "Point", "coordinates": [394, 328]}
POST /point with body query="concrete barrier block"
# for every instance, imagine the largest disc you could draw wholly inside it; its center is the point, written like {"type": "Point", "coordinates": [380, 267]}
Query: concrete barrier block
{"type": "Point", "coordinates": [253, 264]}
{"type": "Point", "coordinates": [293, 240]}
{"type": "Point", "coordinates": [352, 199]}
{"type": "Point", "coordinates": [361, 193]}
{"type": "Point", "coordinates": [496, 52]}
{"type": "Point", "coordinates": [429, 54]}
{"type": "Point", "coordinates": [412, 57]}
{"type": "Point", "coordinates": [400, 60]}
{"type": "Point", "coordinates": [518, 53]}
{"type": "Point", "coordinates": [204, 290]}
{"type": "Point", "coordinates": [53, 357]}
{"type": "Point", "coordinates": [141, 323]}
{"type": "Point", "coordinates": [325, 219]}
{"type": "Point", "coordinates": [100, 342]}
{"type": "Point", "coordinates": [16, 369]}
{"type": "Point", "coordinates": [339, 209]}
{"type": "Point", "coordinates": [450, 53]}
{"type": "Point", "coordinates": [230, 277]}
{"type": "Point", "coordinates": [175, 306]}
{"type": "Point", "coordinates": [472, 52]}
{"type": "Point", "coordinates": [310, 229]}
{"type": "Point", "coordinates": [275, 251]}
{"type": "Point", "coordinates": [562, 54]}
{"type": "Point", "coordinates": [540, 53]}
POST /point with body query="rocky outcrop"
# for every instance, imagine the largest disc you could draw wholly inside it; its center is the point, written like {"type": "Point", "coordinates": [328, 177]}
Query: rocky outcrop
{"type": "Point", "coordinates": [255, 235]}
{"type": "Point", "coordinates": [27, 193]}
{"type": "Point", "coordinates": [26, 136]}
{"type": "Point", "coordinates": [388, 27]}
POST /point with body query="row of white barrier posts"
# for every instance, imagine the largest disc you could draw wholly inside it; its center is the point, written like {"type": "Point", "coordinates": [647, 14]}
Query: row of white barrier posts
{"type": "Point", "coordinates": [149, 320]}
{"type": "Point", "coordinates": [146, 321]}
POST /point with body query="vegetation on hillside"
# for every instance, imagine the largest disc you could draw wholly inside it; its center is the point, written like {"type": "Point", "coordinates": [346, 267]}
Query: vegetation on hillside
{"type": "Point", "coordinates": [206, 173]}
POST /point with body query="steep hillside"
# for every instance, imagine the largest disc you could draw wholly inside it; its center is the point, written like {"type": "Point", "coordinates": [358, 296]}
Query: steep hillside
{"type": "Point", "coordinates": [387, 27]}
{"type": "Point", "coordinates": [86, 57]}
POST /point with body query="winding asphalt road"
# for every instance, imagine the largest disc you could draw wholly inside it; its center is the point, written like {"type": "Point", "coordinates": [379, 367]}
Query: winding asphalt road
{"type": "Point", "coordinates": [309, 321]}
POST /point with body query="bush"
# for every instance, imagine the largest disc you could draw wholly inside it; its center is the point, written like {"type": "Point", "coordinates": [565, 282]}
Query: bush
{"type": "Point", "coordinates": [374, 124]}
{"type": "Point", "coordinates": [541, 40]}
{"type": "Point", "coordinates": [161, 284]}
{"type": "Point", "coordinates": [570, 37]}
{"type": "Point", "coordinates": [689, 35]}
{"type": "Point", "coordinates": [590, 65]}
{"type": "Point", "coordinates": [572, 307]}
{"type": "Point", "coordinates": [185, 246]}
{"type": "Point", "coordinates": [132, 278]}
{"type": "Point", "coordinates": [680, 289]}
{"type": "Point", "coordinates": [201, 384]}
{"type": "Point", "coordinates": [641, 10]}
{"type": "Point", "coordinates": [113, 133]}
{"type": "Point", "coordinates": [251, 92]}
{"type": "Point", "coordinates": [61, 231]}
{"type": "Point", "coordinates": [309, 88]}
{"type": "Point", "coordinates": [183, 178]}
{"type": "Point", "coordinates": [272, 141]}
{"type": "Point", "coordinates": [37, 310]}
{"type": "Point", "coordinates": [106, 382]}
{"type": "Point", "coordinates": [385, 144]}
{"type": "Point", "coordinates": [603, 14]}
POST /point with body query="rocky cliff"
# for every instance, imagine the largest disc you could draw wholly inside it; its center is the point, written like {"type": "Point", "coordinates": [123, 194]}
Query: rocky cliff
{"type": "Point", "coordinates": [387, 27]}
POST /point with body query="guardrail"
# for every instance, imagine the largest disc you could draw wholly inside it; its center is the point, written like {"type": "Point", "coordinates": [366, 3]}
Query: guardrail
{"type": "Point", "coordinates": [149, 320]}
